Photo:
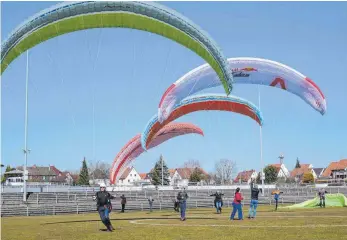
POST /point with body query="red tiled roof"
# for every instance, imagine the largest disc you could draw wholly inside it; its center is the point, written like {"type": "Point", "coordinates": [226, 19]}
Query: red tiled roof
{"type": "Point", "coordinates": [186, 172]}
{"type": "Point", "coordinates": [143, 176]}
{"type": "Point", "coordinates": [56, 170]}
{"type": "Point", "coordinates": [172, 172]}
{"type": "Point", "coordinates": [126, 173]}
{"type": "Point", "coordinates": [342, 164]}
{"type": "Point", "coordinates": [277, 166]}
{"type": "Point", "coordinates": [244, 176]}
{"type": "Point", "coordinates": [304, 168]}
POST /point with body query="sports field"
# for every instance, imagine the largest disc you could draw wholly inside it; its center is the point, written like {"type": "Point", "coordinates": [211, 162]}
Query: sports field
{"type": "Point", "coordinates": [324, 224]}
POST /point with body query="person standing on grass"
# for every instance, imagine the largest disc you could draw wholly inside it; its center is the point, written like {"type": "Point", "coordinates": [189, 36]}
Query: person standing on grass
{"type": "Point", "coordinates": [321, 194]}
{"type": "Point", "coordinates": [276, 194]}
{"type": "Point", "coordinates": [254, 201]}
{"type": "Point", "coordinates": [123, 202]}
{"type": "Point", "coordinates": [104, 206]}
{"type": "Point", "coordinates": [182, 197]}
{"type": "Point", "coordinates": [150, 201]}
{"type": "Point", "coordinates": [237, 207]}
{"type": "Point", "coordinates": [218, 201]}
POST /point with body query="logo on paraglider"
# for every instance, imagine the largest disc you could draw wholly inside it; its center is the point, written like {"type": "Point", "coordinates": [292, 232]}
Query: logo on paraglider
{"type": "Point", "coordinates": [249, 69]}
{"type": "Point", "coordinates": [241, 72]}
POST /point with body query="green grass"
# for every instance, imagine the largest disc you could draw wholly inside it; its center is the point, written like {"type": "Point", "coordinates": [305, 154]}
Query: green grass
{"type": "Point", "coordinates": [327, 224]}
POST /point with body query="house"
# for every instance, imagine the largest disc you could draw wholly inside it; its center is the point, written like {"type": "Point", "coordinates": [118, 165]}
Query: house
{"type": "Point", "coordinates": [182, 175]}
{"type": "Point", "coordinates": [129, 177]}
{"type": "Point", "coordinates": [48, 174]}
{"type": "Point", "coordinates": [14, 178]}
{"type": "Point", "coordinates": [298, 173]}
{"type": "Point", "coordinates": [282, 171]}
{"type": "Point", "coordinates": [145, 178]}
{"type": "Point", "coordinates": [175, 177]}
{"type": "Point", "coordinates": [39, 174]}
{"type": "Point", "coordinates": [336, 170]}
{"type": "Point", "coordinates": [246, 176]}
{"type": "Point", "coordinates": [318, 172]}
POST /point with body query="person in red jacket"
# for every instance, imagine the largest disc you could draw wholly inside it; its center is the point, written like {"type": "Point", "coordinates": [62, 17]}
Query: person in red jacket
{"type": "Point", "coordinates": [237, 207]}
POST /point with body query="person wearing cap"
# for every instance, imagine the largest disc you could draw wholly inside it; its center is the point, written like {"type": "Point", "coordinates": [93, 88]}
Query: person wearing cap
{"type": "Point", "coordinates": [237, 207]}
{"type": "Point", "coordinates": [182, 197]}
{"type": "Point", "coordinates": [254, 201]}
{"type": "Point", "coordinates": [104, 206]}
{"type": "Point", "coordinates": [218, 201]}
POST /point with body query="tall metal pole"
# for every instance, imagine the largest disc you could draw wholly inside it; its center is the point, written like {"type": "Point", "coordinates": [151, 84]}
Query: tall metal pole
{"type": "Point", "coordinates": [26, 130]}
{"type": "Point", "coordinates": [162, 171]}
{"type": "Point", "coordinates": [261, 149]}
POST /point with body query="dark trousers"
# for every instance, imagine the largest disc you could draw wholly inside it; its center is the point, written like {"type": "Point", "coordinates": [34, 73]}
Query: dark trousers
{"type": "Point", "coordinates": [183, 206]}
{"type": "Point", "coordinates": [276, 201]}
{"type": "Point", "coordinates": [123, 207]}
{"type": "Point", "coordinates": [104, 216]}
{"type": "Point", "coordinates": [322, 202]}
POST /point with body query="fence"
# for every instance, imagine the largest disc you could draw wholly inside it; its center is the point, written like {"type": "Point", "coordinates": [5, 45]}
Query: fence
{"type": "Point", "coordinates": [49, 203]}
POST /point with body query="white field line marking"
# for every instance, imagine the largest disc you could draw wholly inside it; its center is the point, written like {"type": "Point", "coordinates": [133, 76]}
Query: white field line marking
{"type": "Point", "coordinates": [234, 226]}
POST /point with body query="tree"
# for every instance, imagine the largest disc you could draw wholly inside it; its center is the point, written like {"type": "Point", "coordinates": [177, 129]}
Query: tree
{"type": "Point", "coordinates": [160, 169]}
{"type": "Point", "coordinates": [99, 170]}
{"type": "Point", "coordinates": [4, 177]}
{"type": "Point", "coordinates": [197, 175]}
{"type": "Point", "coordinates": [270, 174]}
{"type": "Point", "coordinates": [225, 170]}
{"type": "Point", "coordinates": [297, 163]}
{"type": "Point", "coordinates": [192, 164]}
{"type": "Point", "coordinates": [84, 176]}
{"type": "Point", "coordinates": [308, 178]}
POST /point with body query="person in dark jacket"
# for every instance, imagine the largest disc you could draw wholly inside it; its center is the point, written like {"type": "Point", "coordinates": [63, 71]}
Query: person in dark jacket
{"type": "Point", "coordinates": [150, 202]}
{"type": "Point", "coordinates": [321, 194]}
{"type": "Point", "coordinates": [218, 201]}
{"type": "Point", "coordinates": [254, 201]}
{"type": "Point", "coordinates": [237, 207]}
{"type": "Point", "coordinates": [182, 197]}
{"type": "Point", "coordinates": [104, 206]}
{"type": "Point", "coordinates": [123, 202]}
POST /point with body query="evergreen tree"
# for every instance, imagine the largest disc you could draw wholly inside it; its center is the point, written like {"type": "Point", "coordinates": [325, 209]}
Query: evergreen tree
{"type": "Point", "coordinates": [270, 174]}
{"type": "Point", "coordinates": [4, 177]}
{"type": "Point", "coordinates": [297, 163]}
{"type": "Point", "coordinates": [84, 175]}
{"type": "Point", "coordinates": [159, 168]}
{"type": "Point", "coordinates": [196, 175]}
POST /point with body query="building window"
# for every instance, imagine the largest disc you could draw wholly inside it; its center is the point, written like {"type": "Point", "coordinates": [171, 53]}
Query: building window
{"type": "Point", "coordinates": [134, 175]}
{"type": "Point", "coordinates": [130, 175]}
{"type": "Point", "coordinates": [128, 180]}
{"type": "Point", "coordinates": [43, 177]}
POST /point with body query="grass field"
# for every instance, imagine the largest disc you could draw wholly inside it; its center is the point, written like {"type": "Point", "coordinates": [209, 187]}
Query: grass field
{"type": "Point", "coordinates": [308, 224]}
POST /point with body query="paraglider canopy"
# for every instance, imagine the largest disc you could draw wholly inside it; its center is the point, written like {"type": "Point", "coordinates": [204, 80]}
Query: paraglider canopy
{"type": "Point", "coordinates": [204, 102]}
{"type": "Point", "coordinates": [151, 17]}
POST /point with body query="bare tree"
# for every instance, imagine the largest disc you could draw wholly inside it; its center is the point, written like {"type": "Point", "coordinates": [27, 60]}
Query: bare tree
{"type": "Point", "coordinates": [192, 164]}
{"type": "Point", "coordinates": [225, 170]}
{"type": "Point", "coordinates": [99, 170]}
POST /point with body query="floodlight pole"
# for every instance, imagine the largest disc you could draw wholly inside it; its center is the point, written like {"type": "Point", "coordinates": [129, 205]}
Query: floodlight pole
{"type": "Point", "coordinates": [26, 150]}
{"type": "Point", "coordinates": [261, 150]}
{"type": "Point", "coordinates": [162, 172]}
